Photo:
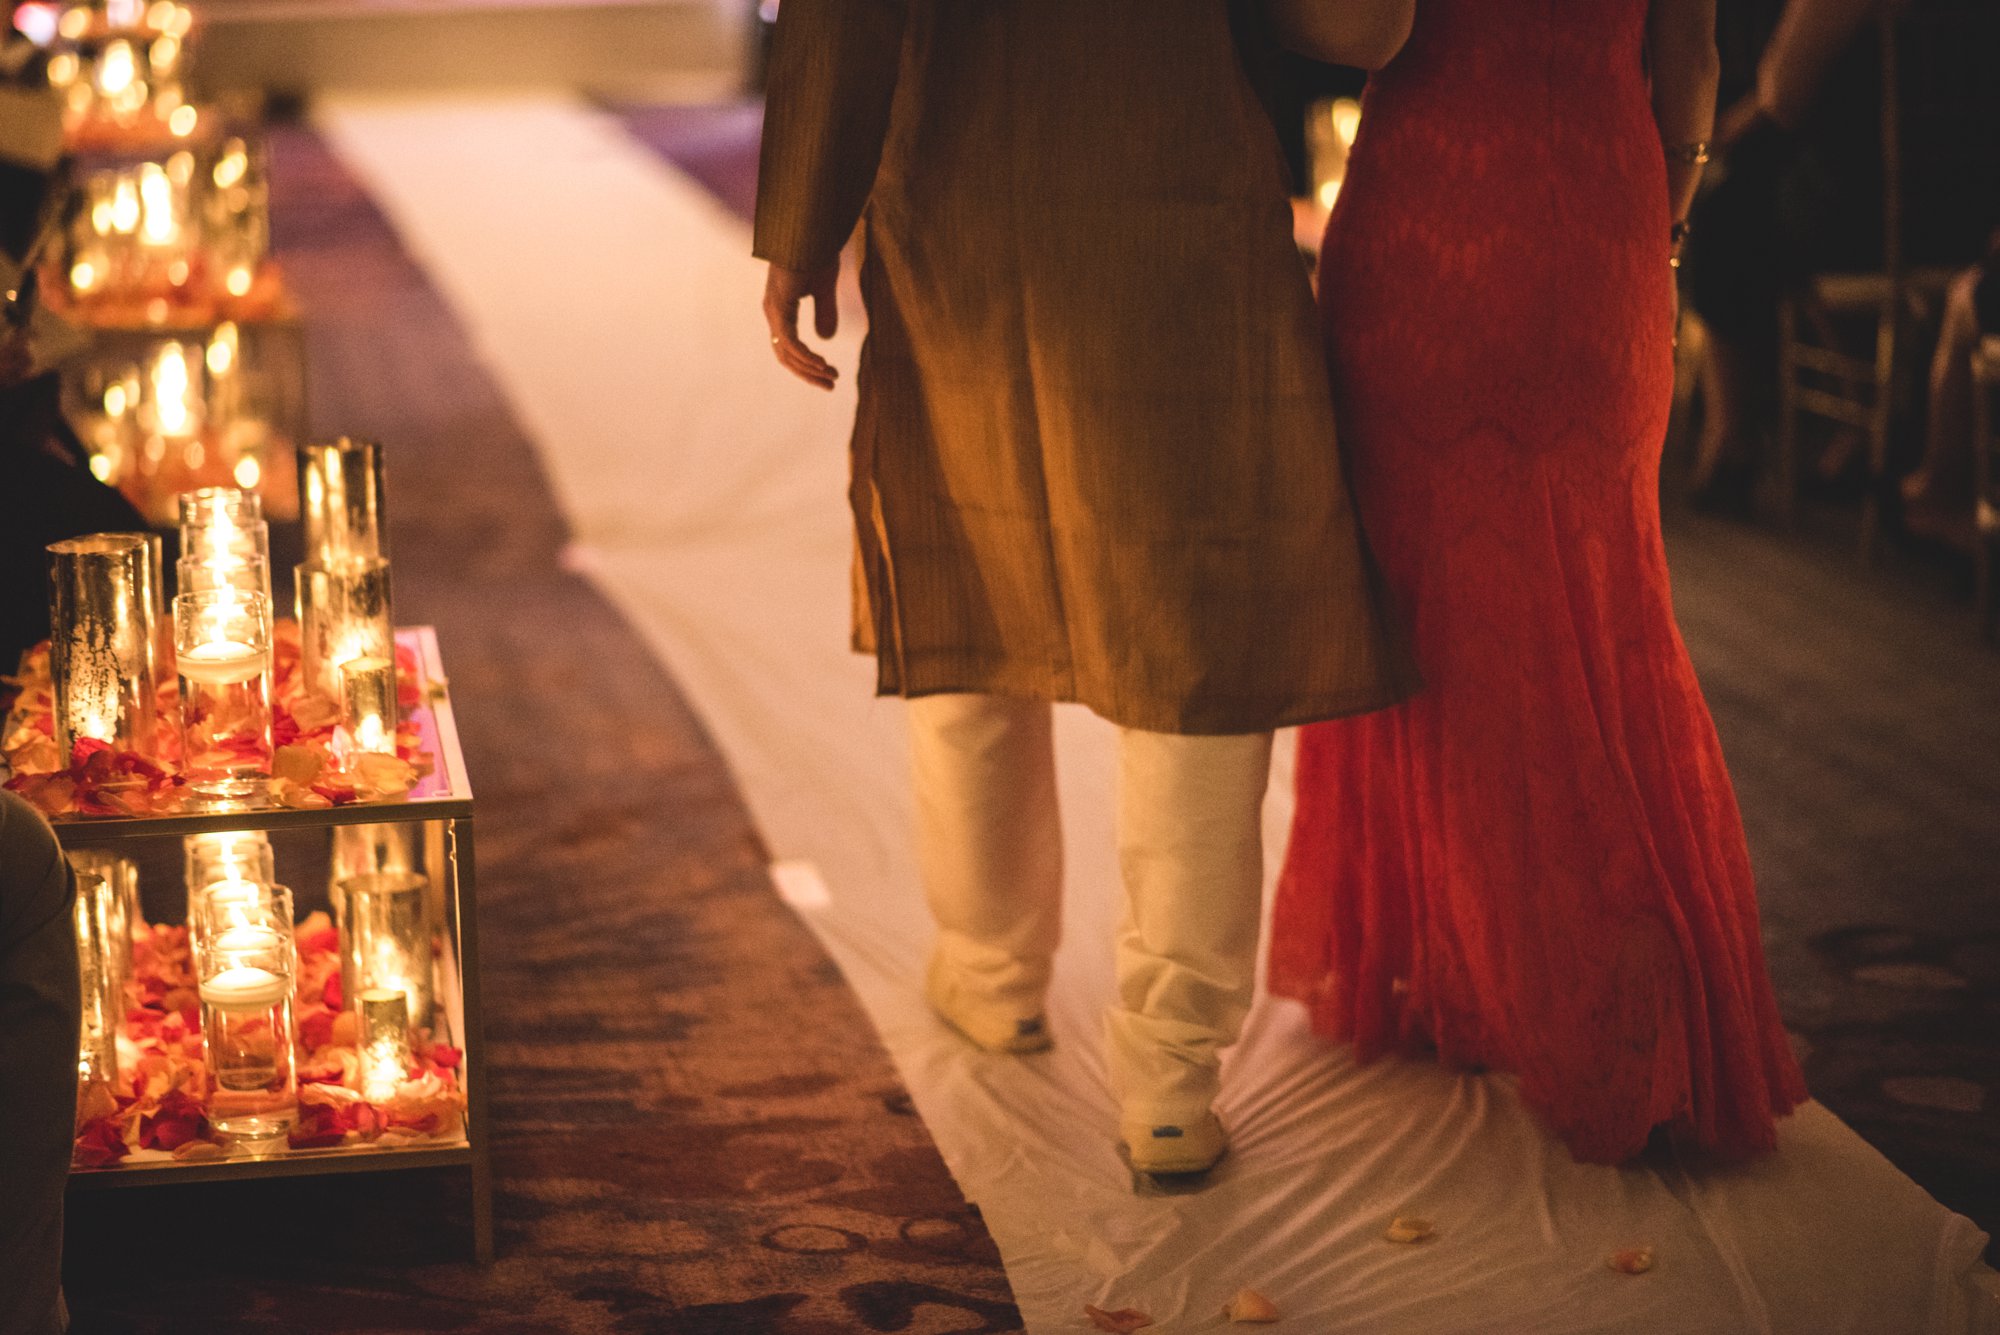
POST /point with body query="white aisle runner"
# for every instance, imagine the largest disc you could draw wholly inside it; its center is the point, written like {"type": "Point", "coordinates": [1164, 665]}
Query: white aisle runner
{"type": "Point", "coordinates": [617, 305]}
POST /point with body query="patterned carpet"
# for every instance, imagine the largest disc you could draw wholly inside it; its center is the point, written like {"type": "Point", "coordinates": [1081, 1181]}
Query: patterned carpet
{"type": "Point", "coordinates": [678, 1147]}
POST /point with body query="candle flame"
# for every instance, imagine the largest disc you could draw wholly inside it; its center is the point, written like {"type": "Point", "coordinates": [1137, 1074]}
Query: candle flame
{"type": "Point", "coordinates": [172, 391]}
{"type": "Point", "coordinates": [159, 226]}
{"type": "Point", "coordinates": [125, 206]}
{"type": "Point", "coordinates": [116, 68]}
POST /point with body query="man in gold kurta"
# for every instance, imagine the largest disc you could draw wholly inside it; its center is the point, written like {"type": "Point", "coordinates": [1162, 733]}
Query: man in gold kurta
{"type": "Point", "coordinates": [1093, 461]}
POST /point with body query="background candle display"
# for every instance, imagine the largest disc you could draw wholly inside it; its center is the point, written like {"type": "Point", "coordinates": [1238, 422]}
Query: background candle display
{"type": "Point", "coordinates": [101, 644]}
{"type": "Point", "coordinates": [120, 70]}
{"type": "Point", "coordinates": [165, 409]}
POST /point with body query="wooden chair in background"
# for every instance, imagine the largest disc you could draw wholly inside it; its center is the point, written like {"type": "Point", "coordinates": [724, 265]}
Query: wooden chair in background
{"type": "Point", "coordinates": [1935, 80]}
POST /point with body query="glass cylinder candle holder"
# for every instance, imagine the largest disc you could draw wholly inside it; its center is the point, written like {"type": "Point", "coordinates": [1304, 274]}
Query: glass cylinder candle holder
{"type": "Point", "coordinates": [384, 1039]}
{"type": "Point", "coordinates": [219, 507]}
{"type": "Point", "coordinates": [250, 574]}
{"type": "Point", "coordinates": [103, 957]}
{"type": "Point", "coordinates": [368, 704]}
{"type": "Point", "coordinates": [230, 855]}
{"type": "Point", "coordinates": [344, 614]}
{"type": "Point", "coordinates": [214, 536]}
{"type": "Point", "coordinates": [222, 643]}
{"type": "Point", "coordinates": [101, 643]}
{"type": "Point", "coordinates": [245, 985]}
{"type": "Point", "coordinates": [122, 916]}
{"type": "Point", "coordinates": [163, 623]}
{"type": "Point", "coordinates": [340, 499]}
{"type": "Point", "coordinates": [360, 850]}
{"type": "Point", "coordinates": [241, 906]}
{"type": "Point", "coordinates": [385, 937]}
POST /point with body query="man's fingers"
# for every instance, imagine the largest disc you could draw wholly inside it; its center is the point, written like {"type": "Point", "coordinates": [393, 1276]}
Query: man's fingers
{"type": "Point", "coordinates": [826, 307]}
{"type": "Point", "coordinates": [804, 363]}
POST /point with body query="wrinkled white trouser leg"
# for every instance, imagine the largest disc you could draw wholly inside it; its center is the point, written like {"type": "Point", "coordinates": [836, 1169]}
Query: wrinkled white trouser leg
{"type": "Point", "coordinates": [1191, 851]}
{"type": "Point", "coordinates": [989, 842]}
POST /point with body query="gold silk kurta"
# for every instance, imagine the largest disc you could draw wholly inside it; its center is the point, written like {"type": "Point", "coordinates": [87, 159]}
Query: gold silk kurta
{"type": "Point", "coordinates": [1094, 458]}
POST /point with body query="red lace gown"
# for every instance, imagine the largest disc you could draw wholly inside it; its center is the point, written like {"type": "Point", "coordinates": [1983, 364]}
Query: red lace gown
{"type": "Point", "coordinates": [1536, 865]}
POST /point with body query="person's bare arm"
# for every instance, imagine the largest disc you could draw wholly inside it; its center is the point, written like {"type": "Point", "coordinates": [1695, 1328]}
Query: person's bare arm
{"type": "Point", "coordinates": [1366, 34]}
{"type": "Point", "coordinates": [1680, 47]}
{"type": "Point", "coordinates": [1808, 38]}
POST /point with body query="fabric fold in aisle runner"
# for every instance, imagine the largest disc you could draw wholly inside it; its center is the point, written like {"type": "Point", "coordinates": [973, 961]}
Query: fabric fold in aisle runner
{"type": "Point", "coordinates": [618, 306]}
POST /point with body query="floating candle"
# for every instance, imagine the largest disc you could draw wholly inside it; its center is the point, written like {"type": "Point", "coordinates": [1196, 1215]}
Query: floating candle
{"type": "Point", "coordinates": [245, 988]}
{"type": "Point", "coordinates": [244, 940]}
{"type": "Point", "coordinates": [222, 662]}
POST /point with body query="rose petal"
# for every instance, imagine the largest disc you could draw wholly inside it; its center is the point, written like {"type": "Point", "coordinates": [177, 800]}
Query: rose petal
{"type": "Point", "coordinates": [1409, 1228]}
{"type": "Point", "coordinates": [1250, 1307]}
{"type": "Point", "coordinates": [1121, 1322]}
{"type": "Point", "coordinates": [1631, 1260]}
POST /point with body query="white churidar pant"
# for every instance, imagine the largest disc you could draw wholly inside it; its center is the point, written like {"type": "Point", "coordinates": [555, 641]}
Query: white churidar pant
{"type": "Point", "coordinates": [1190, 844]}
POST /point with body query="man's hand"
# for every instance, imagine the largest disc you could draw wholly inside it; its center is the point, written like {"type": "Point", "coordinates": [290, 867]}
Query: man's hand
{"type": "Point", "coordinates": [784, 289]}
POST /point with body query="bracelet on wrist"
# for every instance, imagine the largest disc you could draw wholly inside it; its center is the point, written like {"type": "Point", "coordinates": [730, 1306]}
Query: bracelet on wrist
{"type": "Point", "coordinates": [1694, 154]}
{"type": "Point", "coordinates": [1677, 236]}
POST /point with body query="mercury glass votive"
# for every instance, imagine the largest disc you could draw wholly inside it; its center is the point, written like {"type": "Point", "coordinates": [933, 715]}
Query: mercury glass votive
{"type": "Point", "coordinates": [385, 937]}
{"type": "Point", "coordinates": [104, 962]}
{"type": "Point", "coordinates": [340, 499]}
{"type": "Point", "coordinates": [384, 1040]}
{"type": "Point", "coordinates": [344, 614]}
{"type": "Point", "coordinates": [163, 625]}
{"type": "Point", "coordinates": [121, 912]}
{"type": "Point", "coordinates": [222, 643]}
{"type": "Point", "coordinates": [359, 850]}
{"type": "Point", "coordinates": [101, 643]}
{"type": "Point", "coordinates": [368, 704]}
{"type": "Point", "coordinates": [244, 979]}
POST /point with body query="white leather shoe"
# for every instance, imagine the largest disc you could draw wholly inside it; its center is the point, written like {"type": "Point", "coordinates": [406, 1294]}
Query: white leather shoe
{"type": "Point", "coordinates": [982, 1023]}
{"type": "Point", "coordinates": [1170, 1148]}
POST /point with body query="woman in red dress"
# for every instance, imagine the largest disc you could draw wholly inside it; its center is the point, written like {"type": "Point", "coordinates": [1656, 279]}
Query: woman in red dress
{"type": "Point", "coordinates": [1537, 865]}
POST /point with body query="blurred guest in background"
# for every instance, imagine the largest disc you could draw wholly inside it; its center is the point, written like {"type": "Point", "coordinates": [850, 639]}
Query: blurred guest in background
{"type": "Point", "coordinates": [1797, 190]}
{"type": "Point", "coordinates": [1939, 493]}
